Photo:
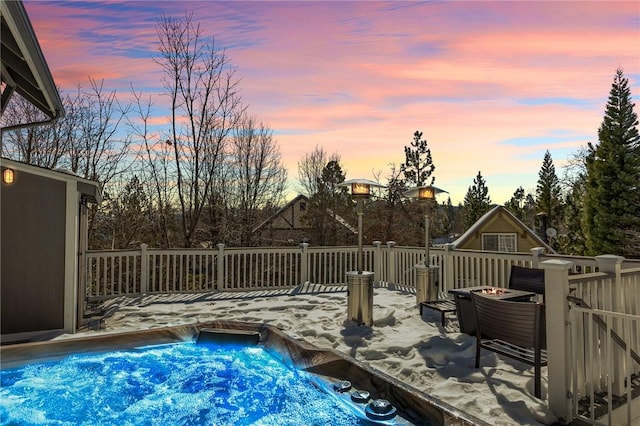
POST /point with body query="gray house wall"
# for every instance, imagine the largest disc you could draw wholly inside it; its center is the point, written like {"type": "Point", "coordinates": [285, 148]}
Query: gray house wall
{"type": "Point", "coordinates": [43, 226]}
{"type": "Point", "coordinates": [33, 254]}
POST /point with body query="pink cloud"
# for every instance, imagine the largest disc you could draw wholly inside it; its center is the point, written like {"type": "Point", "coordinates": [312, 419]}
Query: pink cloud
{"type": "Point", "coordinates": [360, 77]}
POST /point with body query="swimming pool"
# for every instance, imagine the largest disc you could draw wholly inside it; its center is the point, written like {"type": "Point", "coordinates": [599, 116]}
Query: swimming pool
{"type": "Point", "coordinates": [278, 351]}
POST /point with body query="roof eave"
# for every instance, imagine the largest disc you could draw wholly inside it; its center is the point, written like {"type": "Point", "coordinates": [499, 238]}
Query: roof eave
{"type": "Point", "coordinates": [38, 87]}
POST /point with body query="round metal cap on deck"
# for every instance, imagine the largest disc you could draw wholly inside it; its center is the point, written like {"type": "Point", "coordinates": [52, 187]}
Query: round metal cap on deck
{"type": "Point", "coordinates": [380, 409]}
{"type": "Point", "coordinates": [342, 386]}
{"type": "Point", "coordinates": [360, 396]}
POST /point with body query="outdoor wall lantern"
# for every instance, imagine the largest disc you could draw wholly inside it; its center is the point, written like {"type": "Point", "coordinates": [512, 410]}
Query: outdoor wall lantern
{"type": "Point", "coordinates": [425, 194]}
{"type": "Point", "coordinates": [8, 176]}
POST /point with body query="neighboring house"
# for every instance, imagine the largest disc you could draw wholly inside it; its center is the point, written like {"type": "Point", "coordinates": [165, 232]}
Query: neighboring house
{"type": "Point", "coordinates": [441, 241]}
{"type": "Point", "coordinates": [43, 232]}
{"type": "Point", "coordinates": [287, 225]}
{"type": "Point", "coordinates": [500, 230]}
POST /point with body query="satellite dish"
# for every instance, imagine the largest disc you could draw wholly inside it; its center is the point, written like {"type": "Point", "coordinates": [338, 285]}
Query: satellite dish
{"type": "Point", "coordinates": [551, 232]}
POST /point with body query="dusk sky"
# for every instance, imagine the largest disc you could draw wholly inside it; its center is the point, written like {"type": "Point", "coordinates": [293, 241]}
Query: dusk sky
{"type": "Point", "coordinates": [492, 85]}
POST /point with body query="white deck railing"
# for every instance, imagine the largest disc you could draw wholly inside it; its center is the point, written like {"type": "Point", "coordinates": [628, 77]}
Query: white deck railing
{"type": "Point", "coordinates": [594, 359]}
{"type": "Point", "coordinates": [131, 272]}
{"type": "Point", "coordinates": [585, 359]}
{"type": "Point", "coordinates": [604, 366]}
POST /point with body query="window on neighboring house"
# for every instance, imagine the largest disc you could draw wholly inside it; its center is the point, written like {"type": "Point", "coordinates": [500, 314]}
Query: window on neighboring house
{"type": "Point", "coordinates": [500, 242]}
{"type": "Point", "coordinates": [303, 207]}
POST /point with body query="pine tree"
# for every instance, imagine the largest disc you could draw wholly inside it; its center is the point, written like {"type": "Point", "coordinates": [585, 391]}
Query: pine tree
{"type": "Point", "coordinates": [450, 216]}
{"type": "Point", "coordinates": [477, 201]}
{"type": "Point", "coordinates": [548, 194]}
{"type": "Point", "coordinates": [327, 204]}
{"type": "Point", "coordinates": [418, 165]}
{"type": "Point", "coordinates": [515, 204]}
{"type": "Point", "coordinates": [611, 215]}
{"type": "Point", "coordinates": [571, 240]}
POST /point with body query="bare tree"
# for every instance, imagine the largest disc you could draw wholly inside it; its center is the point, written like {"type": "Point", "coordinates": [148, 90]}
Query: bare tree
{"type": "Point", "coordinates": [258, 173]}
{"type": "Point", "coordinates": [205, 106]}
{"type": "Point", "coordinates": [310, 170]}
{"type": "Point", "coordinates": [155, 153]}
{"type": "Point", "coordinates": [97, 149]}
{"type": "Point", "coordinates": [86, 141]}
{"type": "Point", "coordinates": [48, 145]}
{"type": "Point", "coordinates": [388, 223]}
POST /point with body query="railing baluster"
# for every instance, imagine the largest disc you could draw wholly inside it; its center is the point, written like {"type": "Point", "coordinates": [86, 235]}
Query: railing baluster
{"type": "Point", "coordinates": [230, 274]}
{"type": "Point", "coordinates": [169, 272]}
{"type": "Point", "coordinates": [126, 278]}
{"type": "Point", "coordinates": [135, 275]}
{"type": "Point", "coordinates": [104, 273]}
{"type": "Point", "coordinates": [156, 265]}
{"type": "Point", "coordinates": [172, 278]}
{"type": "Point", "coordinates": [119, 269]}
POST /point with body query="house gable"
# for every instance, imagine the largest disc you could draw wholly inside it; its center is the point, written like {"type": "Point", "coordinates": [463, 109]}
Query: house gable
{"type": "Point", "coordinates": [288, 217]}
{"type": "Point", "coordinates": [287, 225]}
{"type": "Point", "coordinates": [498, 221]}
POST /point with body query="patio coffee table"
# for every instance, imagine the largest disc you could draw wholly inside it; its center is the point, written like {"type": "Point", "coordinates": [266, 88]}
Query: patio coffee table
{"type": "Point", "coordinates": [464, 306]}
{"type": "Point", "coordinates": [444, 306]}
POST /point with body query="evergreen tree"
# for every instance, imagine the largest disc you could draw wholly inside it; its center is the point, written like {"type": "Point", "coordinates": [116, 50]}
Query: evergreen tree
{"type": "Point", "coordinates": [450, 217]}
{"type": "Point", "coordinates": [612, 198]}
{"type": "Point", "coordinates": [417, 171]}
{"type": "Point", "coordinates": [548, 194]}
{"type": "Point", "coordinates": [388, 220]}
{"type": "Point", "coordinates": [523, 206]}
{"type": "Point", "coordinates": [418, 165]}
{"type": "Point", "coordinates": [571, 240]}
{"type": "Point", "coordinates": [477, 201]}
{"type": "Point", "coordinates": [516, 204]}
{"type": "Point", "coordinates": [458, 220]}
{"type": "Point", "coordinates": [124, 220]}
{"type": "Point", "coordinates": [327, 204]}
{"type": "Point", "coordinates": [529, 211]}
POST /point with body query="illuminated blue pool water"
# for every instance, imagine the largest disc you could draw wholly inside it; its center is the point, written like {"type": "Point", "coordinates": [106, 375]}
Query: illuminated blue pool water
{"type": "Point", "coordinates": [181, 383]}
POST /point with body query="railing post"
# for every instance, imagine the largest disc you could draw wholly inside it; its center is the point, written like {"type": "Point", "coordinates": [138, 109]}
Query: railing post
{"type": "Point", "coordinates": [556, 283]}
{"type": "Point", "coordinates": [391, 263]}
{"type": "Point", "coordinates": [377, 262]}
{"type": "Point", "coordinates": [304, 263]}
{"type": "Point", "coordinates": [220, 265]}
{"type": "Point", "coordinates": [447, 269]}
{"type": "Point", "coordinates": [144, 269]}
{"type": "Point", "coordinates": [612, 264]}
{"type": "Point", "coordinates": [536, 252]}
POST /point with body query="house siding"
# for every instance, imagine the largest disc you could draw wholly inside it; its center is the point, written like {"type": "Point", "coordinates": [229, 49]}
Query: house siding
{"type": "Point", "coordinates": [286, 227]}
{"type": "Point", "coordinates": [501, 223]}
{"type": "Point", "coordinates": [32, 254]}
